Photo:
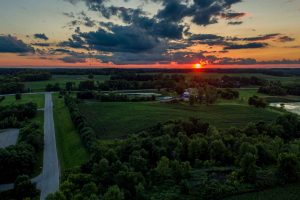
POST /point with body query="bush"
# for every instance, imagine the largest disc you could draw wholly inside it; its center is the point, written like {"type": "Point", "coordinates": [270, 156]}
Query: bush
{"type": "Point", "coordinates": [288, 167]}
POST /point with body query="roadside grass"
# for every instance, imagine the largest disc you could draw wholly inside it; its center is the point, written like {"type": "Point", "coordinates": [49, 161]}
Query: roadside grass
{"type": "Point", "coordinates": [118, 119]}
{"type": "Point", "coordinates": [39, 99]}
{"type": "Point", "coordinates": [290, 192]}
{"type": "Point", "coordinates": [70, 149]}
{"type": "Point", "coordinates": [39, 86]}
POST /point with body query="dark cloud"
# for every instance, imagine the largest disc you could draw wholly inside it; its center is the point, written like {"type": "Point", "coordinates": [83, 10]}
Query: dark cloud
{"type": "Point", "coordinates": [10, 44]}
{"type": "Point", "coordinates": [262, 37]}
{"type": "Point", "coordinates": [72, 59]}
{"type": "Point", "coordinates": [121, 39]}
{"type": "Point", "coordinates": [232, 15]}
{"type": "Point", "coordinates": [41, 36]}
{"type": "Point", "coordinates": [286, 39]}
{"type": "Point", "coordinates": [253, 45]}
{"type": "Point", "coordinates": [235, 23]}
{"type": "Point", "coordinates": [41, 44]}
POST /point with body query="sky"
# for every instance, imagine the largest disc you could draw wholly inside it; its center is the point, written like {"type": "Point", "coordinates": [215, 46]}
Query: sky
{"type": "Point", "coordinates": [149, 33]}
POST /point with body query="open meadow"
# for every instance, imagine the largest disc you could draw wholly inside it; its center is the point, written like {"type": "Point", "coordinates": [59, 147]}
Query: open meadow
{"type": "Point", "coordinates": [39, 86]}
{"type": "Point", "coordinates": [116, 120]}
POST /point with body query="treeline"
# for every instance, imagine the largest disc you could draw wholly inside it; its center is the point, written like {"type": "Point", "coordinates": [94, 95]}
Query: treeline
{"type": "Point", "coordinates": [112, 97]}
{"type": "Point", "coordinates": [34, 76]}
{"type": "Point", "coordinates": [87, 134]}
{"type": "Point", "coordinates": [172, 82]}
{"type": "Point", "coordinates": [257, 102]}
{"type": "Point", "coordinates": [189, 160]}
{"type": "Point", "coordinates": [275, 88]}
{"type": "Point", "coordinates": [109, 71]}
{"type": "Point", "coordinates": [11, 86]}
{"type": "Point", "coordinates": [12, 115]}
{"type": "Point", "coordinates": [21, 158]}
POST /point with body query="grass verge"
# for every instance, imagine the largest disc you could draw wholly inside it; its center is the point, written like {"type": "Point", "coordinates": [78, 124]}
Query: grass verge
{"type": "Point", "coordinates": [71, 152]}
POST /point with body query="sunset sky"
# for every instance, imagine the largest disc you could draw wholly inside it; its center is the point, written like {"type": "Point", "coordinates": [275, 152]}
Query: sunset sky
{"type": "Point", "coordinates": [149, 33]}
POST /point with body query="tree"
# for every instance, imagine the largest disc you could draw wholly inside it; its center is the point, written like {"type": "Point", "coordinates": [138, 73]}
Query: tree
{"type": "Point", "coordinates": [288, 166]}
{"type": "Point", "coordinates": [163, 167]}
{"type": "Point", "coordinates": [218, 150]}
{"type": "Point", "coordinates": [56, 196]}
{"type": "Point", "coordinates": [70, 86]}
{"type": "Point", "coordinates": [211, 95]}
{"type": "Point", "coordinates": [23, 188]}
{"type": "Point", "coordinates": [18, 96]}
{"type": "Point", "coordinates": [91, 76]}
{"type": "Point", "coordinates": [192, 100]}
{"type": "Point", "coordinates": [198, 149]}
{"type": "Point", "coordinates": [248, 167]}
{"type": "Point", "coordinates": [113, 193]}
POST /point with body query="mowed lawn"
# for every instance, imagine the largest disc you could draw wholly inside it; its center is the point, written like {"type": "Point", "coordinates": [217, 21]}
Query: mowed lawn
{"type": "Point", "coordinates": [290, 192]}
{"type": "Point", "coordinates": [118, 119]}
{"type": "Point", "coordinates": [39, 99]}
{"type": "Point", "coordinates": [39, 86]}
{"type": "Point", "coordinates": [70, 149]}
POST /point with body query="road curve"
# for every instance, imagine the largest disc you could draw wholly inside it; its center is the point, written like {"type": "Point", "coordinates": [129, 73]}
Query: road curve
{"type": "Point", "coordinates": [48, 181]}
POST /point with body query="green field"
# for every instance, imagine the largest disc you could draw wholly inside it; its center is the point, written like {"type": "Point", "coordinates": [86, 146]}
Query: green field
{"type": "Point", "coordinates": [291, 192]}
{"type": "Point", "coordinates": [115, 120]}
{"type": "Point", "coordinates": [39, 99]}
{"type": "Point", "coordinates": [39, 86]}
{"type": "Point", "coordinates": [284, 80]}
{"type": "Point", "coordinates": [70, 149]}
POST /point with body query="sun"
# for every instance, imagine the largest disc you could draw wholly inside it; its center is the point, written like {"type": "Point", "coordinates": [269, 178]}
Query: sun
{"type": "Point", "coordinates": [198, 66]}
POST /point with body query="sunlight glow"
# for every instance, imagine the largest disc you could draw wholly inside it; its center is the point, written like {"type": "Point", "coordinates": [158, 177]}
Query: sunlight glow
{"type": "Point", "coordinates": [198, 66]}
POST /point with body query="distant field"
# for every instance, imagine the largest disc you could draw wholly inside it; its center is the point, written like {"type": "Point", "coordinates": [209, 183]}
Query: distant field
{"type": "Point", "coordinates": [246, 93]}
{"type": "Point", "coordinates": [70, 149]}
{"type": "Point", "coordinates": [284, 80]}
{"type": "Point", "coordinates": [291, 192]}
{"type": "Point", "coordinates": [113, 120]}
{"type": "Point", "coordinates": [62, 80]}
{"type": "Point", "coordinates": [39, 99]}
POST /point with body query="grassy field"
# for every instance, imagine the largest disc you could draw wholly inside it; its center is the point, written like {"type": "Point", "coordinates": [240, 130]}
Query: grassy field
{"type": "Point", "coordinates": [62, 80]}
{"type": "Point", "coordinates": [113, 120]}
{"type": "Point", "coordinates": [284, 80]}
{"type": "Point", "coordinates": [291, 192]}
{"type": "Point", "coordinates": [246, 93]}
{"type": "Point", "coordinates": [70, 149]}
{"type": "Point", "coordinates": [39, 99]}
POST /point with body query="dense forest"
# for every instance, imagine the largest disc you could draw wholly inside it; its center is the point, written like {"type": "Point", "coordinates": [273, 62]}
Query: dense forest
{"type": "Point", "coordinates": [185, 160]}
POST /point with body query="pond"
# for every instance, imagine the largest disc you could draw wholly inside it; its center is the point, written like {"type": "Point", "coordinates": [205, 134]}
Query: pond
{"type": "Point", "coordinates": [291, 107]}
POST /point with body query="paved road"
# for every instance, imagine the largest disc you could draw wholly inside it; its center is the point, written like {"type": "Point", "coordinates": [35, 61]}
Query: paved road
{"type": "Point", "coordinates": [48, 181]}
{"type": "Point", "coordinates": [8, 137]}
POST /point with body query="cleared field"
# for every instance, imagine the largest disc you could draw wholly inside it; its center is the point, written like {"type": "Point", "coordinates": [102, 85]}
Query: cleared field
{"type": "Point", "coordinates": [70, 149]}
{"type": "Point", "coordinates": [291, 192]}
{"type": "Point", "coordinates": [113, 120]}
{"type": "Point", "coordinates": [39, 99]}
{"type": "Point", "coordinates": [62, 80]}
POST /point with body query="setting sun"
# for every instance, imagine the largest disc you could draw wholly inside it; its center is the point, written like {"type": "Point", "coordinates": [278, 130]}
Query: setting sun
{"type": "Point", "coordinates": [198, 66]}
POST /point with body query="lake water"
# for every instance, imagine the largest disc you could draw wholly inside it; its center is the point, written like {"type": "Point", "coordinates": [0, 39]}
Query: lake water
{"type": "Point", "coordinates": [291, 107]}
